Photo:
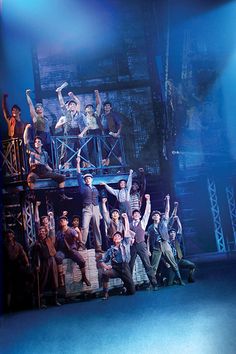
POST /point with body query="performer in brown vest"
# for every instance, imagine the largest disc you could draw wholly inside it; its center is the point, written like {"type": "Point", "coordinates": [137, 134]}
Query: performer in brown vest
{"type": "Point", "coordinates": [45, 263]}
{"type": "Point", "coordinates": [113, 223]}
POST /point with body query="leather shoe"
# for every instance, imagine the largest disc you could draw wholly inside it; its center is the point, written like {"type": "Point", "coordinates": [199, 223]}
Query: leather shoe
{"type": "Point", "coordinates": [99, 250]}
{"type": "Point", "coordinates": [65, 197]}
{"type": "Point", "coordinates": [181, 282]}
{"type": "Point", "coordinates": [86, 281]}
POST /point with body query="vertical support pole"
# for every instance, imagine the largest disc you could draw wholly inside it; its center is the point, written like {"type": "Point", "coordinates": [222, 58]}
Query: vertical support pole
{"type": "Point", "coordinates": [219, 236]}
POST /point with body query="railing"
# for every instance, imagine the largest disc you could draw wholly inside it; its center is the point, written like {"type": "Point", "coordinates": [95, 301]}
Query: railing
{"type": "Point", "coordinates": [14, 165]}
{"type": "Point", "coordinates": [101, 154]}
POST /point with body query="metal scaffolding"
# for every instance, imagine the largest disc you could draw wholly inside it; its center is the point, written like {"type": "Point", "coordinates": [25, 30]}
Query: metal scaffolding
{"type": "Point", "coordinates": [13, 159]}
{"type": "Point", "coordinates": [232, 211]}
{"type": "Point", "coordinates": [28, 220]}
{"type": "Point", "coordinates": [94, 150]}
{"type": "Point", "coordinates": [219, 236]}
{"type": "Point", "coordinates": [101, 153]}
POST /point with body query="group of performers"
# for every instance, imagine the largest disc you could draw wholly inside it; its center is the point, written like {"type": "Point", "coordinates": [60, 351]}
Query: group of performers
{"type": "Point", "coordinates": [76, 126]}
{"type": "Point", "coordinates": [126, 226]}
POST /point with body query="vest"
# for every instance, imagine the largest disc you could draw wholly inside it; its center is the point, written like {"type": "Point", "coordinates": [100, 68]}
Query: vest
{"type": "Point", "coordinates": [50, 246]}
{"type": "Point", "coordinates": [90, 196]}
{"type": "Point", "coordinates": [139, 232]}
{"type": "Point", "coordinates": [113, 227]}
{"type": "Point", "coordinates": [178, 249]}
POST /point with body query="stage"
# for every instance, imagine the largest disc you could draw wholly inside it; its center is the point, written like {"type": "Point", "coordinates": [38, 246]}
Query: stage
{"type": "Point", "coordinates": [197, 318]}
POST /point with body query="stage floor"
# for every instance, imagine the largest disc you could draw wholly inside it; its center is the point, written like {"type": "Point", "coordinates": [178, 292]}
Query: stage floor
{"type": "Point", "coordinates": [198, 318]}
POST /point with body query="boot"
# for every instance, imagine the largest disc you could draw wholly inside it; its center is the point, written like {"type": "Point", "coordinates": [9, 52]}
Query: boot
{"type": "Point", "coordinates": [105, 291]}
{"type": "Point", "coordinates": [190, 277]}
{"type": "Point", "coordinates": [55, 301]}
{"type": "Point", "coordinates": [180, 281]}
{"type": "Point", "coordinates": [84, 278]}
{"type": "Point", "coordinates": [60, 275]}
{"type": "Point", "coordinates": [98, 249]}
{"type": "Point", "coordinates": [43, 305]}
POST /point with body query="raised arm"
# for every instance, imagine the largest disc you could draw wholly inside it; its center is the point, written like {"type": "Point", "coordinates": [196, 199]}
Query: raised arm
{"type": "Point", "coordinates": [173, 215]}
{"type": "Point", "coordinates": [59, 94]}
{"type": "Point", "coordinates": [179, 225]}
{"type": "Point", "coordinates": [167, 206]}
{"type": "Point", "coordinates": [129, 182]}
{"type": "Point", "coordinates": [5, 109]}
{"type": "Point", "coordinates": [31, 106]}
{"type": "Point", "coordinates": [51, 221]}
{"type": "Point", "coordinates": [26, 135]}
{"type": "Point", "coordinates": [147, 212]}
{"type": "Point", "coordinates": [98, 102]}
{"type": "Point", "coordinates": [111, 190]}
{"type": "Point", "coordinates": [105, 212]}
{"type": "Point", "coordinates": [127, 231]}
{"type": "Point", "coordinates": [81, 184]}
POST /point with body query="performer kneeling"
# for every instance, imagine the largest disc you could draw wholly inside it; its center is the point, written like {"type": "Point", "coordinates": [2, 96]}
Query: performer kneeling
{"type": "Point", "coordinates": [119, 255]}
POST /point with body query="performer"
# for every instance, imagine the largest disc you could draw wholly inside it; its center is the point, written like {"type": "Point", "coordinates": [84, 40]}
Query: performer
{"type": "Point", "coordinates": [113, 223]}
{"type": "Point", "coordinates": [112, 126]}
{"type": "Point", "coordinates": [16, 268]}
{"type": "Point", "coordinates": [91, 209]}
{"type": "Point", "coordinates": [138, 190]}
{"type": "Point", "coordinates": [43, 255]}
{"type": "Point", "coordinates": [93, 127]}
{"type": "Point", "coordinates": [73, 122]}
{"type": "Point", "coordinates": [47, 221]}
{"type": "Point", "coordinates": [40, 121]}
{"type": "Point", "coordinates": [158, 238]}
{"type": "Point", "coordinates": [15, 125]}
{"type": "Point", "coordinates": [39, 168]}
{"type": "Point", "coordinates": [66, 246]}
{"type": "Point", "coordinates": [138, 226]}
{"type": "Point", "coordinates": [175, 238]}
{"type": "Point", "coordinates": [119, 256]}
{"type": "Point", "coordinates": [122, 194]}
{"type": "Point", "coordinates": [75, 226]}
